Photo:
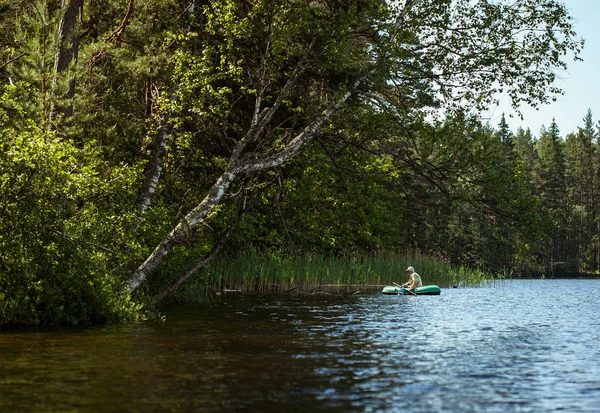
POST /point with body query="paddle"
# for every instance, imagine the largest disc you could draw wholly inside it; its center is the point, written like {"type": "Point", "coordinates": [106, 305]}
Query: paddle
{"type": "Point", "coordinates": [409, 291]}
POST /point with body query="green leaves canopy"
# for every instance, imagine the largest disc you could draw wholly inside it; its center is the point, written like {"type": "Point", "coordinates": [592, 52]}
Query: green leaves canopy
{"type": "Point", "coordinates": [241, 87]}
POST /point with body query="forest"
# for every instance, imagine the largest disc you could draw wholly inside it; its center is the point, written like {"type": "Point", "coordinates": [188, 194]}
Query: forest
{"type": "Point", "coordinates": [143, 139]}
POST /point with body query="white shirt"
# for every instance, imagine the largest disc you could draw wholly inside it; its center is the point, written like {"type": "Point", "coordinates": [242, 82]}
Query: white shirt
{"type": "Point", "coordinates": [414, 281]}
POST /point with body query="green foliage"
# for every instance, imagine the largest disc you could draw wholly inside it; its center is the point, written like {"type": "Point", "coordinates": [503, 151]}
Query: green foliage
{"type": "Point", "coordinates": [324, 203]}
{"type": "Point", "coordinates": [383, 174]}
{"type": "Point", "coordinates": [46, 277]}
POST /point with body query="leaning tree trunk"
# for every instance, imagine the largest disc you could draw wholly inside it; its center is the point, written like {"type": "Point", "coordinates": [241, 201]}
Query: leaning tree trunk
{"type": "Point", "coordinates": [68, 47]}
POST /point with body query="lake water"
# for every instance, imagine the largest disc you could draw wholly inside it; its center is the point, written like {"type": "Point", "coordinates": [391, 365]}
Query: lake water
{"type": "Point", "coordinates": [521, 346]}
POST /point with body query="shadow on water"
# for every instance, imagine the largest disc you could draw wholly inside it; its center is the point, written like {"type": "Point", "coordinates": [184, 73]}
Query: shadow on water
{"type": "Point", "coordinates": [522, 346]}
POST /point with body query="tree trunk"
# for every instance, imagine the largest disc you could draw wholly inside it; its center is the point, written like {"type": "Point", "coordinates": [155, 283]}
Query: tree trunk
{"type": "Point", "coordinates": [154, 167]}
{"type": "Point", "coordinates": [68, 47]}
{"type": "Point", "coordinates": [181, 232]}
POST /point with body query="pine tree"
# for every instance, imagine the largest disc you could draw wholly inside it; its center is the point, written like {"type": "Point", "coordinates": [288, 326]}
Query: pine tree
{"type": "Point", "coordinates": [524, 151]}
{"type": "Point", "coordinates": [504, 132]}
{"type": "Point", "coordinates": [579, 180]}
{"type": "Point", "coordinates": [550, 187]}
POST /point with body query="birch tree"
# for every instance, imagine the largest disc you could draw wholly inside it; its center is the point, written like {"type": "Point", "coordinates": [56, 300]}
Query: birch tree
{"type": "Point", "coordinates": [267, 77]}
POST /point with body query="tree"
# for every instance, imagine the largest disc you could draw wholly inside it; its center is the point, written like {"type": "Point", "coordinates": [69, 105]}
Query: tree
{"type": "Point", "coordinates": [266, 62]}
{"type": "Point", "coordinates": [68, 49]}
{"type": "Point", "coordinates": [579, 177]}
{"type": "Point", "coordinates": [550, 186]}
{"type": "Point", "coordinates": [524, 151]}
{"type": "Point", "coordinates": [51, 266]}
{"type": "Point", "coordinates": [504, 133]}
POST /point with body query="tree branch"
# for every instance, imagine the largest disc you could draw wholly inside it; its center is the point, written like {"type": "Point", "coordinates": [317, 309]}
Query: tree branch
{"type": "Point", "coordinates": [259, 163]}
{"type": "Point", "coordinates": [266, 115]}
{"type": "Point", "coordinates": [117, 35]}
{"type": "Point", "coordinates": [12, 60]}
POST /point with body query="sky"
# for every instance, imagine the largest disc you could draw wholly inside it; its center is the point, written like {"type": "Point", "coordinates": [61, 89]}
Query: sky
{"type": "Point", "coordinates": [581, 82]}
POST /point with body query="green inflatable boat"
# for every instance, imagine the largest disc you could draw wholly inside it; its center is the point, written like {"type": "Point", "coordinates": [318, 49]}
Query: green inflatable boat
{"type": "Point", "coordinates": [425, 290]}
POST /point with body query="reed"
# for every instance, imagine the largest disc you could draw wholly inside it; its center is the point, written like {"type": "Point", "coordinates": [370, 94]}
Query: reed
{"type": "Point", "coordinates": [274, 272]}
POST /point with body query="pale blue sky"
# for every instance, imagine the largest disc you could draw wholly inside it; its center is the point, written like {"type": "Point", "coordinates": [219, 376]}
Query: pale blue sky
{"type": "Point", "coordinates": [581, 82]}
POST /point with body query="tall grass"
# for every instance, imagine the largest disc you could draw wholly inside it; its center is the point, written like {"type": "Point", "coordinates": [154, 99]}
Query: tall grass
{"type": "Point", "coordinates": [272, 272]}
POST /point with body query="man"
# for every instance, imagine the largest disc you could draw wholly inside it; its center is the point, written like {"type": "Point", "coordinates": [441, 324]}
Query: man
{"type": "Point", "coordinates": [414, 279]}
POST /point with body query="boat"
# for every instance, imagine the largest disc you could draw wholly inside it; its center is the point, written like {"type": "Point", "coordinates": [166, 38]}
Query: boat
{"type": "Point", "coordinates": [425, 290]}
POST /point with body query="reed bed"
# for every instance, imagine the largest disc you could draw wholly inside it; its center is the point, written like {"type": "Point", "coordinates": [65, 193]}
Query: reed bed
{"type": "Point", "coordinates": [271, 272]}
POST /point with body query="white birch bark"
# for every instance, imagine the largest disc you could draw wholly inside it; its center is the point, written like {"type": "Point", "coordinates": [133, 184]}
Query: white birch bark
{"type": "Point", "coordinates": [154, 167]}
{"type": "Point", "coordinates": [181, 231]}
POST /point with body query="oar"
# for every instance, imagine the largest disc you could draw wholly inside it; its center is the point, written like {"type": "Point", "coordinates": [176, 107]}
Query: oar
{"type": "Point", "coordinates": [398, 285]}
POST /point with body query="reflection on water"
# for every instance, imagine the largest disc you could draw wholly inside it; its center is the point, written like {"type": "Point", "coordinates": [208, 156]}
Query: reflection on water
{"type": "Point", "coordinates": [523, 346]}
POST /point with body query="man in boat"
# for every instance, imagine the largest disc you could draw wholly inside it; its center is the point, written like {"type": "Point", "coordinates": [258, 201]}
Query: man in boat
{"type": "Point", "coordinates": [414, 279]}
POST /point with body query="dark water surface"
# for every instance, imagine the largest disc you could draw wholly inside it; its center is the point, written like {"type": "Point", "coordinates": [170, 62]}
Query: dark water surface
{"type": "Point", "coordinates": [522, 346]}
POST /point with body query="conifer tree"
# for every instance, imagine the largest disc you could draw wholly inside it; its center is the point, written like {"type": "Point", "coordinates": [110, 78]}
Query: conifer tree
{"type": "Point", "coordinates": [504, 132]}
{"type": "Point", "coordinates": [550, 187]}
{"type": "Point", "coordinates": [524, 151]}
{"type": "Point", "coordinates": [579, 180]}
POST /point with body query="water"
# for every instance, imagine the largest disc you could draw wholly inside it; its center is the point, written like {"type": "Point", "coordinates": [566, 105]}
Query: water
{"type": "Point", "coordinates": [523, 346]}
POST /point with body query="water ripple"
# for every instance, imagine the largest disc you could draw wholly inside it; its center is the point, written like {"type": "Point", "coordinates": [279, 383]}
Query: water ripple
{"type": "Point", "coordinates": [522, 346]}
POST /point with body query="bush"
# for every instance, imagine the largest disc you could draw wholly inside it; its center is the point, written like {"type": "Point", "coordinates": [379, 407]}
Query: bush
{"type": "Point", "coordinates": [47, 274]}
